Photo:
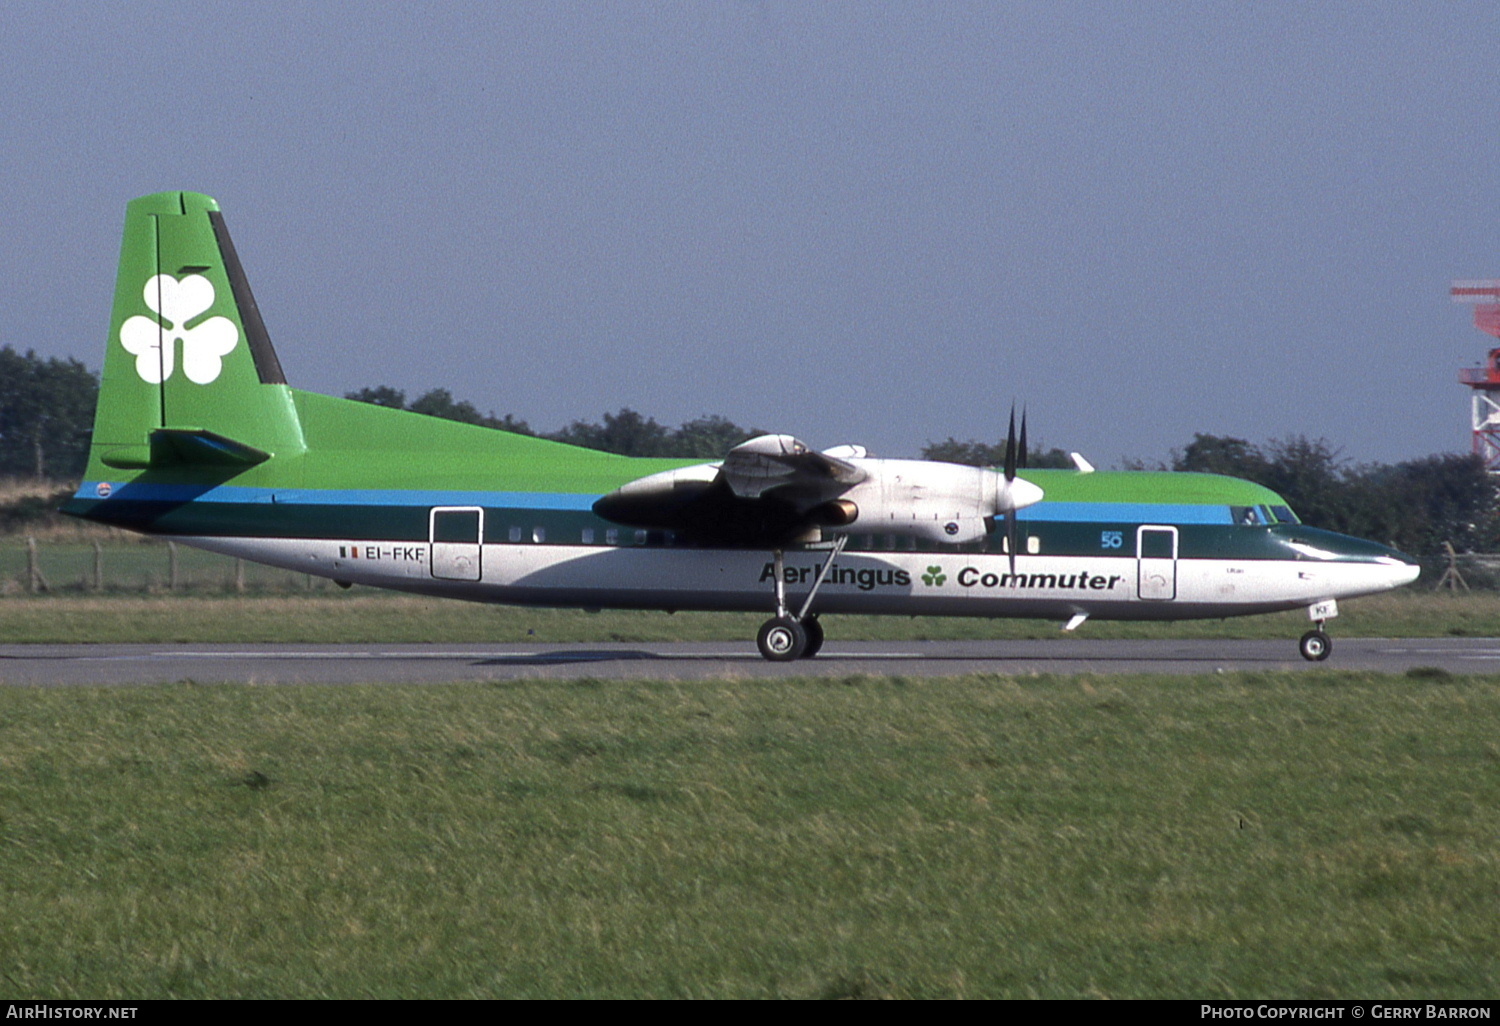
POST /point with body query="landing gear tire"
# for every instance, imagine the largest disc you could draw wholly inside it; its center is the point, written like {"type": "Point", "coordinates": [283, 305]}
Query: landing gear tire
{"type": "Point", "coordinates": [814, 631]}
{"type": "Point", "coordinates": [782, 639]}
{"type": "Point", "coordinates": [1315, 646]}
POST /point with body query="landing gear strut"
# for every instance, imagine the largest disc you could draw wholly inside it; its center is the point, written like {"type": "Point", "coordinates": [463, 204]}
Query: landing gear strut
{"type": "Point", "coordinates": [1315, 645]}
{"type": "Point", "coordinates": [786, 636]}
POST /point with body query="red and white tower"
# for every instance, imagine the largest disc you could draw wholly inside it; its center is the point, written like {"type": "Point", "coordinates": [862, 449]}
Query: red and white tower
{"type": "Point", "coordinates": [1484, 381]}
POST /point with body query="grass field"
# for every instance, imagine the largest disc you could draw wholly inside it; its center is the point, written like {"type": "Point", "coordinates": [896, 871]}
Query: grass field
{"type": "Point", "coordinates": [363, 615]}
{"type": "Point", "coordinates": [1316, 834]}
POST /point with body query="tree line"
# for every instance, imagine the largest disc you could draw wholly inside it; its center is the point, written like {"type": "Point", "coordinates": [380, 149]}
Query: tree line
{"type": "Point", "coordinates": [1414, 506]}
{"type": "Point", "coordinates": [626, 432]}
{"type": "Point", "coordinates": [46, 415]}
{"type": "Point", "coordinates": [47, 409]}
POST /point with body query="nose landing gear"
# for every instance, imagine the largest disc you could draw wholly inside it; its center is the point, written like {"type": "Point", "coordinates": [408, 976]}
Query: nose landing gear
{"type": "Point", "coordinates": [1315, 645]}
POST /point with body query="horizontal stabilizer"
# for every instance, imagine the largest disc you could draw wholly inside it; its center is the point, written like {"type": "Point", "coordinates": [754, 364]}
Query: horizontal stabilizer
{"type": "Point", "coordinates": [195, 447]}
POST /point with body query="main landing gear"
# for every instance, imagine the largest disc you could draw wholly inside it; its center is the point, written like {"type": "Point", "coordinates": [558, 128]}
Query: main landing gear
{"type": "Point", "coordinates": [1315, 645]}
{"type": "Point", "coordinates": [785, 636]}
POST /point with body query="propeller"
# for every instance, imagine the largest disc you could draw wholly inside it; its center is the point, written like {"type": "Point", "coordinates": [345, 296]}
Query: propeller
{"type": "Point", "coordinates": [1015, 459]}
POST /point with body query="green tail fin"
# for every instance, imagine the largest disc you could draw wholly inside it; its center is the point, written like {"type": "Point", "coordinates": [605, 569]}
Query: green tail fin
{"type": "Point", "coordinates": [189, 372]}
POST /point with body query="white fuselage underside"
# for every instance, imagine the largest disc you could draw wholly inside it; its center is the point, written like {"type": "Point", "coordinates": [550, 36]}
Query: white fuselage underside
{"type": "Point", "coordinates": [903, 583]}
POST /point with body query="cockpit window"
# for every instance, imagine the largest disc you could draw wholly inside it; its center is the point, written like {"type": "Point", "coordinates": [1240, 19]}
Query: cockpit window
{"type": "Point", "coordinates": [1258, 516]}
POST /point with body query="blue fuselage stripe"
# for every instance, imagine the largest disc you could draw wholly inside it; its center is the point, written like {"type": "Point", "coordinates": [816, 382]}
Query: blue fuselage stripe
{"type": "Point", "coordinates": [1126, 512]}
{"type": "Point", "coordinates": [1043, 512]}
{"type": "Point", "coordinates": [337, 496]}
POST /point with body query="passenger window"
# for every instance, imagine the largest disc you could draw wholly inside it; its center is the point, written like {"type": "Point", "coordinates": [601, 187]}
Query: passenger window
{"type": "Point", "coordinates": [588, 536]}
{"type": "Point", "coordinates": [538, 534]}
{"type": "Point", "coordinates": [515, 534]}
{"type": "Point", "coordinates": [612, 536]}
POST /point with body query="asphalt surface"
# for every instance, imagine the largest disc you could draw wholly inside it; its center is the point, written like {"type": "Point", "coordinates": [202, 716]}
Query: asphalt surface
{"type": "Point", "coordinates": [47, 665]}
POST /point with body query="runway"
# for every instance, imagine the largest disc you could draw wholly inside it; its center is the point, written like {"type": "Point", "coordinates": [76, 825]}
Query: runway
{"type": "Point", "coordinates": [60, 665]}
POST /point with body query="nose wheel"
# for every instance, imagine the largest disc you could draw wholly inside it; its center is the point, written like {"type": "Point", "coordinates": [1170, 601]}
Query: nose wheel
{"type": "Point", "coordinates": [1315, 645]}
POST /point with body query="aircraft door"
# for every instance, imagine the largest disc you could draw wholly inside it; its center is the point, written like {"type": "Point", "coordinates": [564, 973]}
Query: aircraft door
{"type": "Point", "coordinates": [1156, 563]}
{"type": "Point", "coordinates": [455, 534]}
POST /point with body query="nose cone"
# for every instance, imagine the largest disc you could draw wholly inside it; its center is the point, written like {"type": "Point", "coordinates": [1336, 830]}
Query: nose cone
{"type": "Point", "coordinates": [1401, 571]}
{"type": "Point", "coordinates": [1363, 567]}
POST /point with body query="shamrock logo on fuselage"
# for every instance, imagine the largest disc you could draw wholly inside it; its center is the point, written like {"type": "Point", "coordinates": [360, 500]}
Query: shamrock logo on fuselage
{"type": "Point", "coordinates": [153, 343]}
{"type": "Point", "coordinates": [934, 576]}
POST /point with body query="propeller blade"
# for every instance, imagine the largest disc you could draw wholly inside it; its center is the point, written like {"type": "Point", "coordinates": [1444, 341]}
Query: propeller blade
{"type": "Point", "coordinates": [1010, 448]}
{"type": "Point", "coordinates": [1010, 539]}
{"type": "Point", "coordinates": [1021, 457]}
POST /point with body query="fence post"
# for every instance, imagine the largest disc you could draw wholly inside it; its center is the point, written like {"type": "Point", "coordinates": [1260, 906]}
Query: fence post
{"type": "Point", "coordinates": [239, 575]}
{"type": "Point", "coordinates": [35, 581]}
{"type": "Point", "coordinates": [1452, 579]}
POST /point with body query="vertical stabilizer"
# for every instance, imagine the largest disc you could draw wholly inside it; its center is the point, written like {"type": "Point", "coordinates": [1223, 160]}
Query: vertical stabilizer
{"type": "Point", "coordinates": [187, 351]}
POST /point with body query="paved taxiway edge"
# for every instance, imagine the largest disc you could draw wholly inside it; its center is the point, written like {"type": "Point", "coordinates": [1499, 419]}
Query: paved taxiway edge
{"type": "Point", "coordinates": [61, 665]}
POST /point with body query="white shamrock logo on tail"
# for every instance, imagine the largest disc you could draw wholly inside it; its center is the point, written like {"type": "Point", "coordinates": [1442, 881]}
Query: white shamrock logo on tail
{"type": "Point", "coordinates": [154, 346]}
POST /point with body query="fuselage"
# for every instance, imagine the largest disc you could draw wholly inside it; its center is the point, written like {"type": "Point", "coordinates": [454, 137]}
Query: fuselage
{"type": "Point", "coordinates": [401, 501]}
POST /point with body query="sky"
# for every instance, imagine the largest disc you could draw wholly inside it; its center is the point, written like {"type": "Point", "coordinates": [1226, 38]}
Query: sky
{"type": "Point", "coordinates": [872, 223]}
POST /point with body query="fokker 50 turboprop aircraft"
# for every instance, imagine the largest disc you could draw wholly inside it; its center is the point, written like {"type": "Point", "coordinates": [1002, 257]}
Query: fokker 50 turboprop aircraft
{"type": "Point", "coordinates": [199, 438]}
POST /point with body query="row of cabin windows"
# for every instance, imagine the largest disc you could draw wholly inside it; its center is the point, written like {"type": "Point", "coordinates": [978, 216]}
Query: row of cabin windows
{"type": "Point", "coordinates": [1244, 515]}
{"type": "Point", "coordinates": [589, 537]}
{"type": "Point", "coordinates": [668, 539]}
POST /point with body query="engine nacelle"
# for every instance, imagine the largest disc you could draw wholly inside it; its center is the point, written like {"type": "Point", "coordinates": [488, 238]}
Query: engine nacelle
{"type": "Point", "coordinates": [779, 493]}
{"type": "Point", "coordinates": [939, 502]}
{"type": "Point", "coordinates": [657, 500]}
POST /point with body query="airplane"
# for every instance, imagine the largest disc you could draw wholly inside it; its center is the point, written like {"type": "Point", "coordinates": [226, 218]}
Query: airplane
{"type": "Point", "coordinates": [199, 438]}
